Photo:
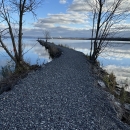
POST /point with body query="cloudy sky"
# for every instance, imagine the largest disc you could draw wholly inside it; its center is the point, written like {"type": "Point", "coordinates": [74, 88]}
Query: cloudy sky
{"type": "Point", "coordinates": [66, 18]}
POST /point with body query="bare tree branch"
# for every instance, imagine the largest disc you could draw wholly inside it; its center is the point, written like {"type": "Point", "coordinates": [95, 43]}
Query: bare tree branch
{"type": "Point", "coordinates": [46, 35]}
{"type": "Point", "coordinates": [7, 8]}
{"type": "Point", "coordinates": [104, 18]}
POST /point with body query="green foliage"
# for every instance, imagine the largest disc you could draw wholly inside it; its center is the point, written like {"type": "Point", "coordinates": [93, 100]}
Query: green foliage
{"type": "Point", "coordinates": [123, 95]}
{"type": "Point", "coordinates": [110, 81]}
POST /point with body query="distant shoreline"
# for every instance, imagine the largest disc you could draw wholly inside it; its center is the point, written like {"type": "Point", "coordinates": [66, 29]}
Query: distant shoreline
{"type": "Point", "coordinates": [76, 38]}
{"type": "Point", "coordinates": [107, 39]}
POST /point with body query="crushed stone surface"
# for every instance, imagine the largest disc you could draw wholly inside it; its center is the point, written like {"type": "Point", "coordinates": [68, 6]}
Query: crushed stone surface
{"type": "Point", "coordinates": [62, 95]}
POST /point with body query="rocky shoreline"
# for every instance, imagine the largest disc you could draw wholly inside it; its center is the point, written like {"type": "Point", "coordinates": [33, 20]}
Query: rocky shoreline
{"type": "Point", "coordinates": [122, 108]}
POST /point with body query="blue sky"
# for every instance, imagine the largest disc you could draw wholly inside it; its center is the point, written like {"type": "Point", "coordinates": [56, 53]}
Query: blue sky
{"type": "Point", "coordinates": [65, 18]}
{"type": "Point", "coordinates": [54, 7]}
{"type": "Point", "coordinates": [56, 17]}
{"type": "Point", "coordinates": [50, 7]}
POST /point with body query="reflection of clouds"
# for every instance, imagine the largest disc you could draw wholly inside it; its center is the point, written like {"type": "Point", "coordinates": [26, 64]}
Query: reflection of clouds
{"type": "Point", "coordinates": [121, 73]}
{"type": "Point", "coordinates": [38, 52]}
{"type": "Point", "coordinates": [3, 61]}
{"type": "Point", "coordinates": [33, 52]}
{"type": "Point", "coordinates": [1, 49]}
{"type": "Point", "coordinates": [117, 53]}
{"type": "Point", "coordinates": [41, 52]}
{"type": "Point", "coordinates": [37, 49]}
{"type": "Point", "coordinates": [81, 44]}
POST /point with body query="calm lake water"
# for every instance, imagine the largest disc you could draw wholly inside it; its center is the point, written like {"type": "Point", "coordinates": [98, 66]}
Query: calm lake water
{"type": "Point", "coordinates": [115, 58]}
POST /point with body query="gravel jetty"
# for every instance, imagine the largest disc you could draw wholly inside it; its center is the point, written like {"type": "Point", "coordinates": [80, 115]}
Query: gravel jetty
{"type": "Point", "coordinates": [62, 95]}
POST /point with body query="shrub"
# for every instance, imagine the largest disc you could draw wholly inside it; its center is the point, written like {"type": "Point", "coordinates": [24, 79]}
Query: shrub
{"type": "Point", "coordinates": [7, 70]}
{"type": "Point", "coordinates": [110, 81]}
{"type": "Point", "coordinates": [123, 95]}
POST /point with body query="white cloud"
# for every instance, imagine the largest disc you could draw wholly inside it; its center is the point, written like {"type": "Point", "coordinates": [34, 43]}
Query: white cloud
{"type": "Point", "coordinates": [62, 18]}
{"type": "Point", "coordinates": [122, 25]}
{"type": "Point", "coordinates": [63, 31]}
{"type": "Point", "coordinates": [63, 1]}
{"type": "Point", "coordinates": [64, 23]}
{"type": "Point", "coordinates": [75, 22]}
{"type": "Point", "coordinates": [87, 5]}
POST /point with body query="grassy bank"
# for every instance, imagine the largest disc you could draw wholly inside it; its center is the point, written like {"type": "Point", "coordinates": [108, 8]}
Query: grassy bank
{"type": "Point", "coordinates": [10, 76]}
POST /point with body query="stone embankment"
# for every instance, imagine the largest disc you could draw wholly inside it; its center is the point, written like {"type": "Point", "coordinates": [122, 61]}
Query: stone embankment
{"type": "Point", "coordinates": [62, 95]}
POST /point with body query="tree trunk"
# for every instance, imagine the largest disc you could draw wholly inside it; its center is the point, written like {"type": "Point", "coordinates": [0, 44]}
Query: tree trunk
{"type": "Point", "coordinates": [22, 66]}
{"type": "Point", "coordinates": [20, 38]}
{"type": "Point", "coordinates": [96, 51]}
{"type": "Point", "coordinates": [21, 13]}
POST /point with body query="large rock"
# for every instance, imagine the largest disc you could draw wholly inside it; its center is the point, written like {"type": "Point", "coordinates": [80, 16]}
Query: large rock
{"type": "Point", "coordinates": [101, 84]}
{"type": "Point", "coordinates": [117, 106]}
{"type": "Point", "coordinates": [127, 106]}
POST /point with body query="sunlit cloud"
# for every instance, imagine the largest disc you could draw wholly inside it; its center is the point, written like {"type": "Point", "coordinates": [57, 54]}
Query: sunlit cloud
{"type": "Point", "coordinates": [62, 18]}
{"type": "Point", "coordinates": [63, 1]}
{"type": "Point", "coordinates": [88, 5]}
{"type": "Point", "coordinates": [75, 22]}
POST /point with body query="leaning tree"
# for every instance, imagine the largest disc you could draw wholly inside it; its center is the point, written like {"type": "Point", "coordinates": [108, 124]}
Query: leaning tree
{"type": "Point", "coordinates": [12, 16]}
{"type": "Point", "coordinates": [106, 15]}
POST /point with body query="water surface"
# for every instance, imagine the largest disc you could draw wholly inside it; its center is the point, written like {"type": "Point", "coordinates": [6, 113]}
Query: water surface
{"type": "Point", "coordinates": [115, 58]}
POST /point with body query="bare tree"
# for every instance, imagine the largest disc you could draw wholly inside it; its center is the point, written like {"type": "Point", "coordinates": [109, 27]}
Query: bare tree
{"type": "Point", "coordinates": [106, 14]}
{"type": "Point", "coordinates": [7, 9]}
{"type": "Point", "coordinates": [46, 35]}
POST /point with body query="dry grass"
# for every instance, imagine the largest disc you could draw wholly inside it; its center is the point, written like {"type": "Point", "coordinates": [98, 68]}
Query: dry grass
{"type": "Point", "coordinates": [10, 80]}
{"type": "Point", "coordinates": [54, 51]}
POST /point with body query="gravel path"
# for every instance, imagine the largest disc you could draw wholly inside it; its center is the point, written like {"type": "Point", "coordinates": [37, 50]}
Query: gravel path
{"type": "Point", "coordinates": [59, 96]}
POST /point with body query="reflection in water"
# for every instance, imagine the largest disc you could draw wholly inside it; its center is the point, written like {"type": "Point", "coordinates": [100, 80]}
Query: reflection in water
{"type": "Point", "coordinates": [122, 74]}
{"type": "Point", "coordinates": [115, 58]}
{"type": "Point", "coordinates": [33, 53]}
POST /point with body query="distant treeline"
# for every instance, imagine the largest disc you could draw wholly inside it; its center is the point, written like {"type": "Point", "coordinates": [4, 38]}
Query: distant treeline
{"type": "Point", "coordinates": [108, 39]}
{"type": "Point", "coordinates": [114, 39]}
{"type": "Point", "coordinates": [76, 38]}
